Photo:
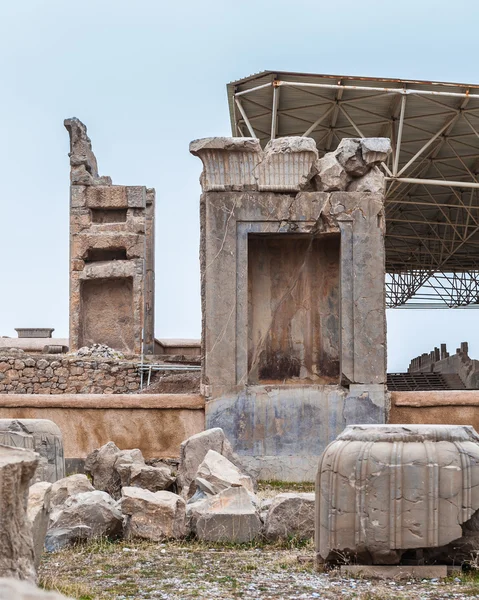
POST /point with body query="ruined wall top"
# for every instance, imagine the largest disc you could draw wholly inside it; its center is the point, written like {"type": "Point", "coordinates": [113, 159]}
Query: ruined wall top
{"type": "Point", "coordinates": [291, 164]}
{"type": "Point", "coordinates": [83, 164]}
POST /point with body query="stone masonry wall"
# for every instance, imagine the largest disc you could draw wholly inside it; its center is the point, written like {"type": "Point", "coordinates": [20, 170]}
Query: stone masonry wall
{"type": "Point", "coordinates": [60, 374]}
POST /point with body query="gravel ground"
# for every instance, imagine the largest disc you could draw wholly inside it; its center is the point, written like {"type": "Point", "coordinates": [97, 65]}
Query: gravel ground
{"type": "Point", "coordinates": [122, 570]}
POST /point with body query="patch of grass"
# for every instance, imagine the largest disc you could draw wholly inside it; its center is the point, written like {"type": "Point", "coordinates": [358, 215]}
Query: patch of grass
{"type": "Point", "coordinates": [285, 486]}
{"type": "Point", "coordinates": [73, 590]}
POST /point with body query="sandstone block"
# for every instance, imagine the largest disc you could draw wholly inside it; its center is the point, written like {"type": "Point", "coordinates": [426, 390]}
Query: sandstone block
{"type": "Point", "coordinates": [349, 155]}
{"type": "Point", "coordinates": [290, 516]}
{"type": "Point", "coordinates": [375, 150]}
{"type": "Point", "coordinates": [374, 182]}
{"type": "Point", "coordinates": [332, 175]}
{"type": "Point", "coordinates": [146, 477]}
{"type": "Point", "coordinates": [38, 512]}
{"type": "Point", "coordinates": [153, 516]}
{"type": "Point", "coordinates": [67, 487]}
{"type": "Point", "coordinates": [229, 516]}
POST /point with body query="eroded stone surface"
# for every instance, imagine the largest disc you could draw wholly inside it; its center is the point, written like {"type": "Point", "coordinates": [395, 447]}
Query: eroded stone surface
{"type": "Point", "coordinates": [385, 489]}
{"type": "Point", "coordinates": [229, 516]}
{"type": "Point", "coordinates": [12, 589]}
{"type": "Point", "coordinates": [291, 515]}
{"type": "Point", "coordinates": [153, 516]}
{"type": "Point", "coordinates": [17, 467]}
{"type": "Point", "coordinates": [42, 436]}
{"type": "Point", "coordinates": [38, 512]}
{"type": "Point", "coordinates": [219, 474]}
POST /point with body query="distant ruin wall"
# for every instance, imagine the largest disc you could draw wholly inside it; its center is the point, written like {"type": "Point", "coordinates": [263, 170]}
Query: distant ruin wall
{"type": "Point", "coordinates": [440, 361]}
{"type": "Point", "coordinates": [45, 374]}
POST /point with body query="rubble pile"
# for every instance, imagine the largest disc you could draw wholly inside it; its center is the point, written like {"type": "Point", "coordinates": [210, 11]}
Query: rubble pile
{"type": "Point", "coordinates": [98, 351]}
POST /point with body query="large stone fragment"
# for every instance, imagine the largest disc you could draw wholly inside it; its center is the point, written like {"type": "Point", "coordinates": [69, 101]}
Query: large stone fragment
{"type": "Point", "coordinates": [12, 589]}
{"type": "Point", "coordinates": [67, 487]}
{"type": "Point", "coordinates": [17, 467]}
{"type": "Point", "coordinates": [104, 465]}
{"type": "Point", "coordinates": [228, 517]}
{"type": "Point", "coordinates": [374, 182]}
{"type": "Point", "coordinates": [331, 175]}
{"type": "Point", "coordinates": [96, 510]}
{"type": "Point", "coordinates": [61, 537]}
{"type": "Point", "coordinates": [145, 476]}
{"type": "Point", "coordinates": [382, 490]}
{"type": "Point", "coordinates": [153, 516]}
{"type": "Point", "coordinates": [349, 155]}
{"type": "Point", "coordinates": [216, 473]}
{"type": "Point", "coordinates": [375, 150]}
{"type": "Point", "coordinates": [39, 515]}
{"type": "Point", "coordinates": [41, 435]}
{"type": "Point", "coordinates": [192, 453]}
{"type": "Point", "coordinates": [84, 168]}
{"type": "Point", "coordinates": [291, 515]}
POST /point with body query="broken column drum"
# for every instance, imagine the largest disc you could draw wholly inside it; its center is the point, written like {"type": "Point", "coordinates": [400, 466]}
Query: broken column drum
{"type": "Point", "coordinates": [292, 264]}
{"type": "Point", "coordinates": [111, 255]}
{"type": "Point", "coordinates": [382, 490]}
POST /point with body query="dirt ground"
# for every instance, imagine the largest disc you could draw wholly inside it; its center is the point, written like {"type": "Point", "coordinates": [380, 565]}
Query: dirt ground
{"type": "Point", "coordinates": [174, 570]}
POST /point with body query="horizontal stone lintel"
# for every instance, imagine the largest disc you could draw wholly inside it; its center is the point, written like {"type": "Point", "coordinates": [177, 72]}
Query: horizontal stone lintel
{"type": "Point", "coordinates": [426, 399]}
{"type": "Point", "coordinates": [104, 401]}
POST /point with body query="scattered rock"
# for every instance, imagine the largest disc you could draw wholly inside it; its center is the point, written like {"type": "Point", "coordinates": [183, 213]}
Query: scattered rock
{"type": "Point", "coordinates": [61, 537]}
{"type": "Point", "coordinates": [216, 473]}
{"type": "Point", "coordinates": [38, 512]}
{"type": "Point", "coordinates": [96, 510]}
{"type": "Point", "coordinates": [67, 487]}
{"type": "Point", "coordinates": [291, 515]}
{"type": "Point", "coordinates": [17, 467]}
{"type": "Point", "coordinates": [99, 464]}
{"type": "Point", "coordinates": [99, 351]}
{"type": "Point", "coordinates": [149, 478]}
{"type": "Point", "coordinates": [228, 517]}
{"type": "Point", "coordinates": [192, 453]}
{"type": "Point", "coordinates": [12, 589]}
{"type": "Point", "coordinates": [154, 516]}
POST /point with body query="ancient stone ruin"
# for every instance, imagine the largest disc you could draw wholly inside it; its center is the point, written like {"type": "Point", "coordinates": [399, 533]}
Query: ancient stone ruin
{"type": "Point", "coordinates": [111, 255]}
{"type": "Point", "coordinates": [387, 492]}
{"type": "Point", "coordinates": [292, 264]}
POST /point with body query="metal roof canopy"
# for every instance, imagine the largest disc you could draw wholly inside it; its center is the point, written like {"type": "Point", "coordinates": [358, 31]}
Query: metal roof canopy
{"type": "Point", "coordinates": [432, 196]}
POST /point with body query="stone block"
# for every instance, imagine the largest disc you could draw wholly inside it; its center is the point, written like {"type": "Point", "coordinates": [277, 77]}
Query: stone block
{"type": "Point", "coordinates": [39, 515]}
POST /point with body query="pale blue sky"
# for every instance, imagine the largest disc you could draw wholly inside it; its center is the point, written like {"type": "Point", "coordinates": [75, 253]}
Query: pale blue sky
{"type": "Point", "coordinates": [149, 76]}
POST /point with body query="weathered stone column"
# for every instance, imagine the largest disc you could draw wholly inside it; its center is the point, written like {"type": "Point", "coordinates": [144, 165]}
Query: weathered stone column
{"type": "Point", "coordinates": [292, 263]}
{"type": "Point", "coordinates": [111, 255]}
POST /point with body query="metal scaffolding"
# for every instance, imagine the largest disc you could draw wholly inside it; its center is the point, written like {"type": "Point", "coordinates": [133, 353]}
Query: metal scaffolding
{"type": "Point", "coordinates": [432, 196]}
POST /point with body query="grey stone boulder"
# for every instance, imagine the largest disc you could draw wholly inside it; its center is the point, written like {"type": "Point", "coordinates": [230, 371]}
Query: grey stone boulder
{"type": "Point", "coordinates": [105, 464]}
{"type": "Point", "coordinates": [374, 182]}
{"type": "Point", "coordinates": [96, 510]}
{"type": "Point", "coordinates": [349, 156]}
{"type": "Point", "coordinates": [13, 589]}
{"type": "Point", "coordinates": [216, 473]}
{"type": "Point", "coordinates": [332, 176]}
{"type": "Point", "coordinates": [192, 453]}
{"type": "Point", "coordinates": [17, 467]}
{"type": "Point", "coordinates": [291, 515]}
{"type": "Point", "coordinates": [144, 476]}
{"type": "Point", "coordinates": [61, 537]}
{"type": "Point", "coordinates": [64, 488]}
{"type": "Point", "coordinates": [375, 150]}
{"type": "Point", "coordinates": [229, 516]}
{"type": "Point", "coordinates": [38, 512]}
{"type": "Point", "coordinates": [154, 516]}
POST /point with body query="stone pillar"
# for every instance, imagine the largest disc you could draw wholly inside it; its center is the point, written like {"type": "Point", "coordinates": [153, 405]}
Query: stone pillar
{"type": "Point", "coordinates": [111, 255]}
{"type": "Point", "coordinates": [292, 263]}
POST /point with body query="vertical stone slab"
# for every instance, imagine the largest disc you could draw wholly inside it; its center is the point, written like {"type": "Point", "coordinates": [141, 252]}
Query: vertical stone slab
{"type": "Point", "coordinates": [17, 467]}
